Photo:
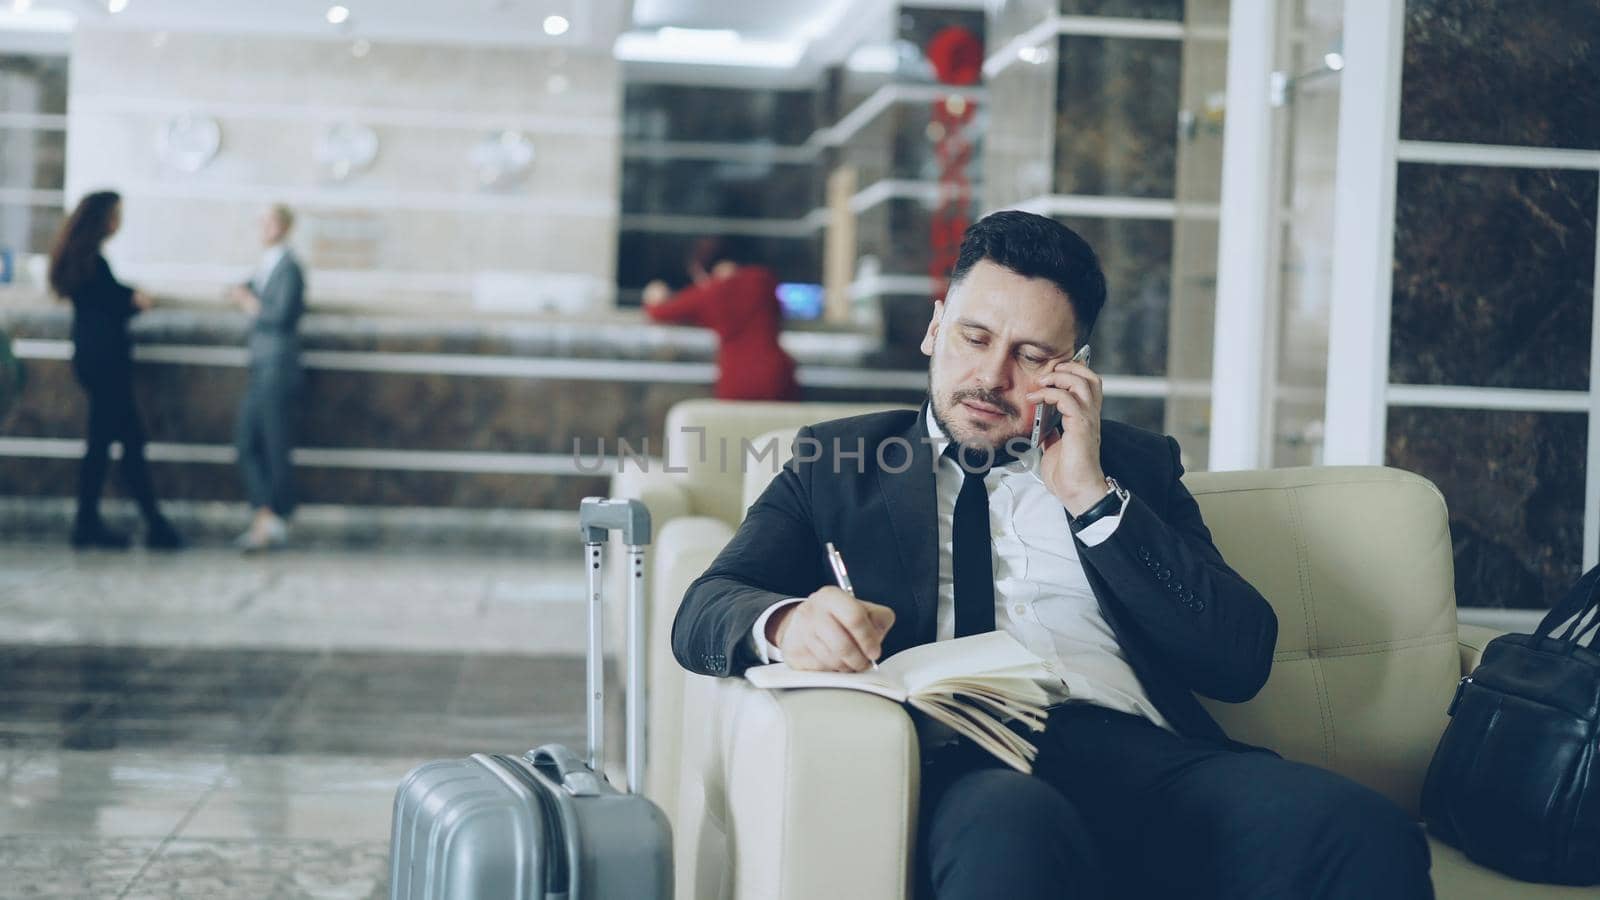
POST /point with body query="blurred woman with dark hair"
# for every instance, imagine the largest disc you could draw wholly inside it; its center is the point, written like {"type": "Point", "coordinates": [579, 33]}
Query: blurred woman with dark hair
{"type": "Point", "coordinates": [739, 302]}
{"type": "Point", "coordinates": [102, 361]}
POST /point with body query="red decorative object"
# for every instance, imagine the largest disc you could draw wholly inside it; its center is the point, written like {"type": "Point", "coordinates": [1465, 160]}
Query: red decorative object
{"type": "Point", "coordinates": [957, 58]}
{"type": "Point", "coordinates": [956, 54]}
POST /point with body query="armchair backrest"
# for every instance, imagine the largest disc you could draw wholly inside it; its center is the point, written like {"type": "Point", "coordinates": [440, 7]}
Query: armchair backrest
{"type": "Point", "coordinates": [1356, 561]}
{"type": "Point", "coordinates": [706, 445]}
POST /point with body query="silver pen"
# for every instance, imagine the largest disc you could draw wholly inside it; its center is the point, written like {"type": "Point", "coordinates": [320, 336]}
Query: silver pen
{"type": "Point", "coordinates": [841, 576]}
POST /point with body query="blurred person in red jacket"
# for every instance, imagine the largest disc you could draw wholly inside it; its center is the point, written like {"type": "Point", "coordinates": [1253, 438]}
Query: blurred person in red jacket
{"type": "Point", "coordinates": [738, 301]}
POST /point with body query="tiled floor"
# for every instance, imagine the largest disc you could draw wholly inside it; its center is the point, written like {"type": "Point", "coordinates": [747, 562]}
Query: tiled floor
{"type": "Point", "coordinates": [198, 726]}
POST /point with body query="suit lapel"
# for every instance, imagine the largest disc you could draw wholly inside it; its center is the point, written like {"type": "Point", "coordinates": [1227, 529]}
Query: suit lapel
{"type": "Point", "coordinates": [910, 498]}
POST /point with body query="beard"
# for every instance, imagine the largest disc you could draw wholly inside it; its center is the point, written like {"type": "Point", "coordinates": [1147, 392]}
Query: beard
{"type": "Point", "coordinates": [982, 436]}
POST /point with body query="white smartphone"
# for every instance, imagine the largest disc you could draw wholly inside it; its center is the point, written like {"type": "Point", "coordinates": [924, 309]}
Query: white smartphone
{"type": "Point", "coordinates": [1046, 418]}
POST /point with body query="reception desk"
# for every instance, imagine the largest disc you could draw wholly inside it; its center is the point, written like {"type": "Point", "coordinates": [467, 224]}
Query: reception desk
{"type": "Point", "coordinates": [476, 413]}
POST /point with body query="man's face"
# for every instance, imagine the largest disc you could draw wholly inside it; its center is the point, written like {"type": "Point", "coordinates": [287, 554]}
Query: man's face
{"type": "Point", "coordinates": [994, 335]}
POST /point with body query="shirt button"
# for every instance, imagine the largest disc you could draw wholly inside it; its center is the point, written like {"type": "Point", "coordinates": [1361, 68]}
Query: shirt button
{"type": "Point", "coordinates": [1019, 609]}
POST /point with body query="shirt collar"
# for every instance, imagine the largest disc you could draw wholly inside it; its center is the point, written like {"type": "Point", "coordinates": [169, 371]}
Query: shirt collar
{"type": "Point", "coordinates": [269, 259]}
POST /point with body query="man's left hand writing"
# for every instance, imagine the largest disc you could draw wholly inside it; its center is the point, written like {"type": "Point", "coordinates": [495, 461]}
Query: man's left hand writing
{"type": "Point", "coordinates": [1070, 466]}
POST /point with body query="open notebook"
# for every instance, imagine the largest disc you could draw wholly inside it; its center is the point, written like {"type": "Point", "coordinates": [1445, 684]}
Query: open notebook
{"type": "Point", "coordinates": [972, 685]}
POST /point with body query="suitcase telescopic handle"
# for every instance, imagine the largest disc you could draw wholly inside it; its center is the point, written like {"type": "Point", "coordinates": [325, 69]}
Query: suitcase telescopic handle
{"type": "Point", "coordinates": [597, 516]}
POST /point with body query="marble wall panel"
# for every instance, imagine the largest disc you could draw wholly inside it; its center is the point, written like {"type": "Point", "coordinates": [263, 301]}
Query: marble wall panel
{"type": "Point", "coordinates": [418, 208]}
{"type": "Point", "coordinates": [260, 156]}
{"type": "Point", "coordinates": [202, 69]}
{"type": "Point", "coordinates": [388, 410]}
{"type": "Point", "coordinates": [1504, 296]}
{"type": "Point", "coordinates": [1136, 254]}
{"type": "Point", "coordinates": [345, 487]}
{"type": "Point", "coordinates": [366, 249]}
{"type": "Point", "coordinates": [1518, 72]}
{"type": "Point", "coordinates": [1116, 116]}
{"type": "Point", "coordinates": [1514, 483]}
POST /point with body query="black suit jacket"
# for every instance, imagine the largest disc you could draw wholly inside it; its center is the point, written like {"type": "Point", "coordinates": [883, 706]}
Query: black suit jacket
{"type": "Point", "coordinates": [101, 308]}
{"type": "Point", "coordinates": [1186, 621]}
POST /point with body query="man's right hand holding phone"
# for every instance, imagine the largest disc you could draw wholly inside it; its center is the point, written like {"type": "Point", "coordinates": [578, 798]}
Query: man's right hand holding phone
{"type": "Point", "coordinates": [830, 631]}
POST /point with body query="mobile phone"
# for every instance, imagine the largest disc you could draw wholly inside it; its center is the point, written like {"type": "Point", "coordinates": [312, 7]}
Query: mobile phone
{"type": "Point", "coordinates": [1046, 418]}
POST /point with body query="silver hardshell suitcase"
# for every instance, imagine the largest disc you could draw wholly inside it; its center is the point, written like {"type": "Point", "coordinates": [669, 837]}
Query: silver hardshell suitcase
{"type": "Point", "coordinates": [546, 824]}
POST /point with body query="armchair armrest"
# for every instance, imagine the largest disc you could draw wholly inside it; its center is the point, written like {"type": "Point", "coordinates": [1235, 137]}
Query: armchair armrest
{"type": "Point", "coordinates": [684, 548]}
{"type": "Point", "coordinates": [1472, 639]}
{"type": "Point", "coordinates": [665, 497]}
{"type": "Point", "coordinates": [816, 791]}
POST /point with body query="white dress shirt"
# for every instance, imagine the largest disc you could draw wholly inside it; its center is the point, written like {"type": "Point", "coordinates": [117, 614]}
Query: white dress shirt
{"type": "Point", "coordinates": [1042, 596]}
{"type": "Point", "coordinates": [269, 261]}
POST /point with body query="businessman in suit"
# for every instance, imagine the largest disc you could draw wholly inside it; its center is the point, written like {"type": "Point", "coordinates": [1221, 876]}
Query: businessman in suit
{"type": "Point", "coordinates": [274, 298]}
{"type": "Point", "coordinates": [1091, 553]}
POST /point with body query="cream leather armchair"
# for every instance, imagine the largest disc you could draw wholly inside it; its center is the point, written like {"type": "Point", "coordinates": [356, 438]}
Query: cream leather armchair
{"type": "Point", "coordinates": [695, 494]}
{"type": "Point", "coordinates": [809, 794]}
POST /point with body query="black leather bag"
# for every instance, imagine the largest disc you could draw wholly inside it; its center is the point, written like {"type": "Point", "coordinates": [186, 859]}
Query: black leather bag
{"type": "Point", "coordinates": [1515, 781]}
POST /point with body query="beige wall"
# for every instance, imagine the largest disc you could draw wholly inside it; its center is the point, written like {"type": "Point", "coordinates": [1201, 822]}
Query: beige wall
{"type": "Point", "coordinates": [414, 230]}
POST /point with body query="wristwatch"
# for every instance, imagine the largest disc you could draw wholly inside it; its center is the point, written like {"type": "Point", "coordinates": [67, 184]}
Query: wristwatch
{"type": "Point", "coordinates": [1109, 505]}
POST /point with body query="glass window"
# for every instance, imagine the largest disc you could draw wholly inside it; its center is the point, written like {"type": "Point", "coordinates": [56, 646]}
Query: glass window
{"type": "Point", "coordinates": [1116, 116]}
{"type": "Point", "coordinates": [1131, 336]}
{"type": "Point", "coordinates": [1515, 485]}
{"type": "Point", "coordinates": [1516, 72]}
{"type": "Point", "coordinates": [1503, 296]}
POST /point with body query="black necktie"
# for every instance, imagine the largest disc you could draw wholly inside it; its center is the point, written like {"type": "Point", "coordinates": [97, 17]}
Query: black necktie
{"type": "Point", "coordinates": [971, 548]}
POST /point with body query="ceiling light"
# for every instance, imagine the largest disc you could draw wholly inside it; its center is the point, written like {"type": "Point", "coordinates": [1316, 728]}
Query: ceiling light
{"type": "Point", "coordinates": [555, 26]}
{"type": "Point", "coordinates": [21, 6]}
{"type": "Point", "coordinates": [1334, 60]}
{"type": "Point", "coordinates": [708, 47]}
{"type": "Point", "coordinates": [116, 6]}
{"type": "Point", "coordinates": [338, 15]}
{"type": "Point", "coordinates": [1034, 55]}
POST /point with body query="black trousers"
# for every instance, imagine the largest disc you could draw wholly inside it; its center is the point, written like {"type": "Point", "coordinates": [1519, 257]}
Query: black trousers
{"type": "Point", "coordinates": [113, 416]}
{"type": "Point", "coordinates": [1119, 808]}
{"type": "Point", "coordinates": [264, 438]}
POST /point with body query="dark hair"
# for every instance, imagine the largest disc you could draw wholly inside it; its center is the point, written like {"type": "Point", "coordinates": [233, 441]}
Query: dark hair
{"type": "Point", "coordinates": [1038, 247]}
{"type": "Point", "coordinates": [77, 247]}
{"type": "Point", "coordinates": [708, 251]}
